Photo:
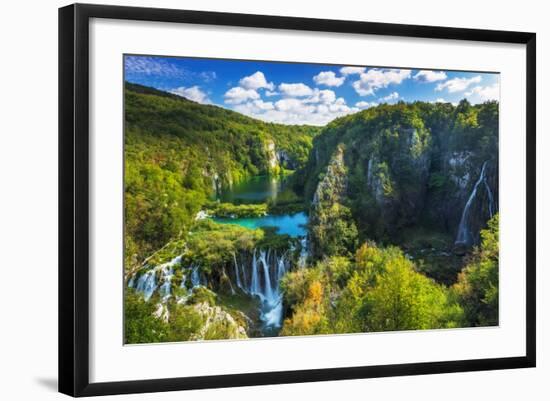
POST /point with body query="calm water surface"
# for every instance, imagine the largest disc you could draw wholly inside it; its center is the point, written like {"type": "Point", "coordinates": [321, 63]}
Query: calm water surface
{"type": "Point", "coordinates": [259, 190]}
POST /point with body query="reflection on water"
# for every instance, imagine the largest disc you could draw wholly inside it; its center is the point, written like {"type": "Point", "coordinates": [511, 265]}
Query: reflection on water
{"type": "Point", "coordinates": [263, 189]}
{"type": "Point", "coordinates": [255, 190]}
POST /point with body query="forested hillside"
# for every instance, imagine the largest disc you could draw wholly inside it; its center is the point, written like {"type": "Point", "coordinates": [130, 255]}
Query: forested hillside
{"type": "Point", "coordinates": [402, 174]}
{"type": "Point", "coordinates": [178, 153]}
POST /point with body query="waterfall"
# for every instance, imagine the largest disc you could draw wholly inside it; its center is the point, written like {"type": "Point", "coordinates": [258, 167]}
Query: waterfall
{"type": "Point", "coordinates": [195, 277]}
{"type": "Point", "coordinates": [264, 275]}
{"type": "Point", "coordinates": [281, 268]}
{"type": "Point", "coordinates": [259, 276]}
{"type": "Point", "coordinates": [147, 283]}
{"type": "Point", "coordinates": [254, 283]}
{"type": "Point", "coordinates": [167, 274]}
{"type": "Point", "coordinates": [464, 235]}
{"type": "Point", "coordinates": [268, 290]}
{"type": "Point", "coordinates": [237, 273]}
{"type": "Point", "coordinates": [302, 259]}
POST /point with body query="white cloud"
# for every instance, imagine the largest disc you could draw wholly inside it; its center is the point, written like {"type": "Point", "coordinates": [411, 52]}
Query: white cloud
{"type": "Point", "coordinates": [154, 66]}
{"type": "Point", "coordinates": [430, 76]}
{"type": "Point", "coordinates": [256, 81]}
{"type": "Point", "coordinates": [390, 98]}
{"type": "Point", "coordinates": [325, 96]}
{"type": "Point", "coordinates": [239, 95]}
{"type": "Point", "coordinates": [328, 78]}
{"type": "Point", "coordinates": [254, 107]}
{"type": "Point", "coordinates": [318, 108]}
{"type": "Point", "coordinates": [480, 94]}
{"type": "Point", "coordinates": [294, 105]}
{"type": "Point", "coordinates": [193, 93]}
{"type": "Point", "coordinates": [271, 93]}
{"type": "Point", "coordinates": [375, 79]}
{"type": "Point", "coordinates": [352, 70]}
{"type": "Point", "coordinates": [365, 105]}
{"type": "Point", "coordinates": [295, 90]}
{"type": "Point", "coordinates": [458, 84]}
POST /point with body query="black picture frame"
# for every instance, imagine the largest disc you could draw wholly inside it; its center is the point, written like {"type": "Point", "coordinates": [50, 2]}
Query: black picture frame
{"type": "Point", "coordinates": [74, 198]}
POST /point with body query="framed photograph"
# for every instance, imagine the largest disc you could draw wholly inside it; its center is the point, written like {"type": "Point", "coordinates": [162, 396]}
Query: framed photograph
{"type": "Point", "coordinates": [249, 199]}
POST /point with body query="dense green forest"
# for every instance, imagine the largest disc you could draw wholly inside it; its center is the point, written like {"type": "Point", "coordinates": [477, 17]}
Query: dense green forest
{"type": "Point", "coordinates": [178, 153]}
{"type": "Point", "coordinates": [400, 203]}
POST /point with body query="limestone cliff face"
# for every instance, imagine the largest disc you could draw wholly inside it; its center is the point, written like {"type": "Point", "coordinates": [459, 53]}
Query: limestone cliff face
{"type": "Point", "coordinates": [407, 168]}
{"type": "Point", "coordinates": [455, 184]}
{"type": "Point", "coordinates": [333, 187]}
{"type": "Point", "coordinates": [331, 228]}
{"type": "Point", "coordinates": [397, 181]}
{"type": "Point", "coordinates": [272, 158]}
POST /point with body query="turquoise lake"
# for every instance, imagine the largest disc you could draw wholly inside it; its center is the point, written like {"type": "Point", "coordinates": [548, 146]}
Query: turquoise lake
{"type": "Point", "coordinates": [254, 190]}
{"type": "Point", "coordinates": [258, 190]}
{"type": "Point", "coordinates": [291, 224]}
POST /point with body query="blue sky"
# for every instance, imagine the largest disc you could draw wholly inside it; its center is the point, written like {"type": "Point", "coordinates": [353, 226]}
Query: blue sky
{"type": "Point", "coordinates": [296, 93]}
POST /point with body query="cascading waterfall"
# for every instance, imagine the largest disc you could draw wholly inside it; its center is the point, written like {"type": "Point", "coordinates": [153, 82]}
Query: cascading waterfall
{"type": "Point", "coordinates": [303, 253]}
{"type": "Point", "coordinates": [281, 268]}
{"type": "Point", "coordinates": [272, 311]}
{"type": "Point", "coordinates": [254, 282]}
{"type": "Point", "coordinates": [195, 277]}
{"type": "Point", "coordinates": [464, 235]}
{"type": "Point", "coordinates": [268, 290]}
{"type": "Point", "coordinates": [262, 279]}
{"type": "Point", "coordinates": [237, 273]}
{"type": "Point", "coordinates": [167, 274]}
{"type": "Point", "coordinates": [147, 283]}
{"type": "Point", "coordinates": [266, 271]}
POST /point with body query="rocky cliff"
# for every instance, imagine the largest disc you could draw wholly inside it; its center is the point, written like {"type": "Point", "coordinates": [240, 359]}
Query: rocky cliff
{"type": "Point", "coordinates": [410, 165]}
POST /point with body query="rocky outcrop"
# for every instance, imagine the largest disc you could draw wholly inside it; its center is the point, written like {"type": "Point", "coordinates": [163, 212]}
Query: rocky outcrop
{"type": "Point", "coordinates": [333, 187]}
{"type": "Point", "coordinates": [272, 158]}
{"type": "Point", "coordinates": [216, 320]}
{"type": "Point", "coordinates": [331, 227]}
{"type": "Point", "coordinates": [286, 161]}
{"type": "Point", "coordinates": [411, 166]}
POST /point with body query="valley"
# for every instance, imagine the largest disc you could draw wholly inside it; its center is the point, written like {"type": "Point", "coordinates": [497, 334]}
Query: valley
{"type": "Point", "coordinates": [382, 220]}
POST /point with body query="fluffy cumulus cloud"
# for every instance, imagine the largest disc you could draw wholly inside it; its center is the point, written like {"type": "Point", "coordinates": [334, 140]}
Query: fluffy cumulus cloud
{"type": "Point", "coordinates": [328, 78]}
{"type": "Point", "coordinates": [256, 81]}
{"type": "Point", "coordinates": [193, 93]}
{"type": "Point", "coordinates": [295, 90]}
{"type": "Point", "coordinates": [321, 96]}
{"type": "Point", "coordinates": [430, 76]}
{"type": "Point", "coordinates": [254, 107]}
{"type": "Point", "coordinates": [365, 105]}
{"type": "Point", "coordinates": [352, 70]}
{"type": "Point", "coordinates": [317, 108]}
{"type": "Point", "coordinates": [458, 84]}
{"type": "Point", "coordinates": [392, 97]}
{"type": "Point", "coordinates": [239, 95]}
{"type": "Point", "coordinates": [372, 80]}
{"type": "Point", "coordinates": [480, 94]}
